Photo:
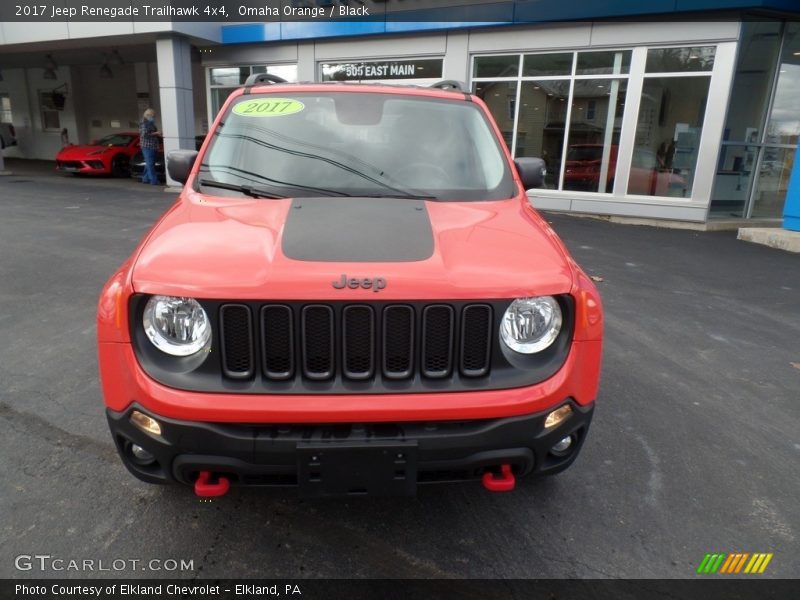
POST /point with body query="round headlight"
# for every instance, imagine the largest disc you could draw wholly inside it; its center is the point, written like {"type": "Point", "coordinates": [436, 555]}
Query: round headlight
{"type": "Point", "coordinates": [177, 326]}
{"type": "Point", "coordinates": [531, 324]}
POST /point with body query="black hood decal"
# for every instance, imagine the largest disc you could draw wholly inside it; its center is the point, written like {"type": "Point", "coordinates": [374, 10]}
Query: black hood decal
{"type": "Point", "coordinates": [358, 230]}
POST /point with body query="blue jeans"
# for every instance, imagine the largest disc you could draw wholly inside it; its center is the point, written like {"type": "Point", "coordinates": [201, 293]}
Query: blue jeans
{"type": "Point", "coordinates": [150, 176]}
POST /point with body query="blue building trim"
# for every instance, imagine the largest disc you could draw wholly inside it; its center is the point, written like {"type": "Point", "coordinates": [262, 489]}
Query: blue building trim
{"type": "Point", "coordinates": [252, 32]}
{"type": "Point", "coordinates": [303, 30]}
{"type": "Point", "coordinates": [791, 209]}
{"type": "Point", "coordinates": [417, 26]}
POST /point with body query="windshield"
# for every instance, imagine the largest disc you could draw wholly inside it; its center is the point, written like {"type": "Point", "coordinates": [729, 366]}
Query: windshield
{"type": "Point", "coordinates": [356, 144]}
{"type": "Point", "coordinates": [115, 139]}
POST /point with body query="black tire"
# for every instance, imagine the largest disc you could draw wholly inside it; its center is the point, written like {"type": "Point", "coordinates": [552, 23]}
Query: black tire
{"type": "Point", "coordinates": [120, 166]}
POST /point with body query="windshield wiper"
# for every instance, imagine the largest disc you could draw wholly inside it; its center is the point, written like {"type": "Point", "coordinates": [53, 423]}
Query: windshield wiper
{"type": "Point", "coordinates": [248, 190]}
{"type": "Point", "coordinates": [402, 193]}
{"type": "Point", "coordinates": [257, 192]}
{"type": "Point", "coordinates": [240, 173]}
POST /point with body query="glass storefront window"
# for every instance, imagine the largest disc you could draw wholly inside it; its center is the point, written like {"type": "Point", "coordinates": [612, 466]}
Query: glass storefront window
{"type": "Point", "coordinates": [287, 72]}
{"type": "Point", "coordinates": [755, 68]}
{"type": "Point", "coordinates": [741, 139]}
{"type": "Point", "coordinates": [500, 97]}
{"type": "Point", "coordinates": [541, 126]}
{"type": "Point", "coordinates": [218, 97]}
{"type": "Point", "coordinates": [542, 65]}
{"type": "Point", "coordinates": [570, 110]}
{"type": "Point", "coordinates": [679, 60]}
{"type": "Point", "coordinates": [735, 171]}
{"type": "Point", "coordinates": [769, 194]}
{"type": "Point", "coordinates": [782, 132]}
{"type": "Point", "coordinates": [752, 177]}
{"type": "Point", "coordinates": [615, 62]}
{"type": "Point", "coordinates": [667, 140]}
{"type": "Point", "coordinates": [229, 76]}
{"type": "Point", "coordinates": [594, 130]}
{"type": "Point", "coordinates": [497, 66]}
{"type": "Point", "coordinates": [783, 126]}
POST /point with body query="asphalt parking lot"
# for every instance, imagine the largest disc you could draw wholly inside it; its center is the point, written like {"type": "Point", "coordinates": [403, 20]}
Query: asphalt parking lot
{"type": "Point", "coordinates": [694, 448]}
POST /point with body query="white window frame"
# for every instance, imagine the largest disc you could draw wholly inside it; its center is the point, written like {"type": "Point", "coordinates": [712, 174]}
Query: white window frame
{"type": "Point", "coordinates": [572, 77]}
{"type": "Point", "coordinates": [711, 131]}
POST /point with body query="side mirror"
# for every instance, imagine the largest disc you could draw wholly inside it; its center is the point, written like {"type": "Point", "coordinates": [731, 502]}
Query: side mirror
{"type": "Point", "coordinates": [531, 171]}
{"type": "Point", "coordinates": [180, 163]}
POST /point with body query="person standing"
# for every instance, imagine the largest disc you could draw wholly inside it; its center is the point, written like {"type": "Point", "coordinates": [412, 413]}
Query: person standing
{"type": "Point", "coordinates": [149, 142]}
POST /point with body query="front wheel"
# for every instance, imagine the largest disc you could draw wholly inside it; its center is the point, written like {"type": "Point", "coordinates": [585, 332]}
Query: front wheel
{"type": "Point", "coordinates": [120, 166]}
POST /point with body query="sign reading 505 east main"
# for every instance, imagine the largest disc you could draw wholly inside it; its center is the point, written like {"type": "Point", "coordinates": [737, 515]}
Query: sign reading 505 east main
{"type": "Point", "coordinates": [383, 69]}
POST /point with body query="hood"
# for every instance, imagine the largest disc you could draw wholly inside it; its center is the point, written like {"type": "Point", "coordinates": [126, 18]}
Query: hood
{"type": "Point", "coordinates": [262, 249]}
{"type": "Point", "coordinates": [73, 152]}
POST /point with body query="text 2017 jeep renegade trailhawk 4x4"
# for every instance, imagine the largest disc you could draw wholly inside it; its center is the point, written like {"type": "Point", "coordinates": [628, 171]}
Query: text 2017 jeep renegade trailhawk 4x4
{"type": "Point", "coordinates": [352, 295]}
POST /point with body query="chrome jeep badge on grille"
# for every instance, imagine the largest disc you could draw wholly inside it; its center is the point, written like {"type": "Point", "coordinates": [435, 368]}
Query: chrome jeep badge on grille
{"type": "Point", "coordinates": [376, 283]}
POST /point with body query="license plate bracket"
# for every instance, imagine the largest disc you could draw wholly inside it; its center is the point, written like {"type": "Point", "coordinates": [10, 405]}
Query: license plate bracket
{"type": "Point", "coordinates": [357, 469]}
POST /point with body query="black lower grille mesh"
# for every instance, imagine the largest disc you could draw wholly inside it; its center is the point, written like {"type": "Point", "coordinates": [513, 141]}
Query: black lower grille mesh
{"type": "Point", "coordinates": [277, 342]}
{"type": "Point", "coordinates": [237, 344]}
{"type": "Point", "coordinates": [358, 342]}
{"type": "Point", "coordinates": [437, 340]}
{"type": "Point", "coordinates": [476, 326]}
{"type": "Point", "coordinates": [398, 341]}
{"type": "Point", "coordinates": [317, 341]}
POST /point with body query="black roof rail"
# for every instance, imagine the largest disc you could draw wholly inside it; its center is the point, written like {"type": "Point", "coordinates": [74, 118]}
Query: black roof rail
{"type": "Point", "coordinates": [449, 84]}
{"type": "Point", "coordinates": [257, 78]}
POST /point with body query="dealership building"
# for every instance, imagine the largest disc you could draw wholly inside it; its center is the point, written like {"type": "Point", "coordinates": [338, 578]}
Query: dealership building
{"type": "Point", "coordinates": [671, 109]}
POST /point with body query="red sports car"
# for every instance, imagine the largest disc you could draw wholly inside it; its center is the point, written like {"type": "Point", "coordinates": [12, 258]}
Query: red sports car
{"type": "Point", "coordinates": [648, 175]}
{"type": "Point", "coordinates": [110, 155]}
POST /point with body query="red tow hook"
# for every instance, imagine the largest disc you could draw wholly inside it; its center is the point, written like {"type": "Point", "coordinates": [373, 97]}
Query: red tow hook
{"type": "Point", "coordinates": [504, 483]}
{"type": "Point", "coordinates": [205, 489]}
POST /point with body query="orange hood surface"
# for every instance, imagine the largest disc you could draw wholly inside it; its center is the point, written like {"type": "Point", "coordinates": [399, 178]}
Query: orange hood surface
{"type": "Point", "coordinates": [233, 248]}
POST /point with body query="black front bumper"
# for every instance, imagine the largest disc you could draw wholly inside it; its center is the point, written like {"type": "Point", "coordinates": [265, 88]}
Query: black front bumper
{"type": "Point", "coordinates": [342, 459]}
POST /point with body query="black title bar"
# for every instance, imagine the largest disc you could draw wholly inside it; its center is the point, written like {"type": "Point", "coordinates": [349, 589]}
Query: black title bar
{"type": "Point", "coordinates": [232, 11]}
{"type": "Point", "coordinates": [483, 11]}
{"type": "Point", "coordinates": [388, 589]}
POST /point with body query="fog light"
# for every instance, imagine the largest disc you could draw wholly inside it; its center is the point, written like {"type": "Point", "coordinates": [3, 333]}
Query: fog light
{"type": "Point", "coordinates": [563, 447]}
{"type": "Point", "coordinates": [141, 455]}
{"type": "Point", "coordinates": [145, 423]}
{"type": "Point", "coordinates": [558, 416]}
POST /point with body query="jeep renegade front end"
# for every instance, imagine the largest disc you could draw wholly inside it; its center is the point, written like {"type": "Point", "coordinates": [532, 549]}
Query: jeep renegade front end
{"type": "Point", "coordinates": [352, 295]}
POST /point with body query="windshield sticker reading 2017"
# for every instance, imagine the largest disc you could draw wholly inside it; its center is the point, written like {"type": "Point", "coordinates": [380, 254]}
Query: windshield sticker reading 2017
{"type": "Point", "coordinates": [273, 107]}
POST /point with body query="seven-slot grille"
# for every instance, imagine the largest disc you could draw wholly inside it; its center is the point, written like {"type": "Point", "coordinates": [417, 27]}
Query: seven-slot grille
{"type": "Point", "coordinates": [357, 342]}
